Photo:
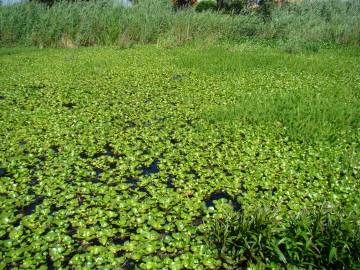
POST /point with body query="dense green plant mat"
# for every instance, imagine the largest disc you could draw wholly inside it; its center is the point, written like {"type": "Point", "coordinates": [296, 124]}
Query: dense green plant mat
{"type": "Point", "coordinates": [116, 158]}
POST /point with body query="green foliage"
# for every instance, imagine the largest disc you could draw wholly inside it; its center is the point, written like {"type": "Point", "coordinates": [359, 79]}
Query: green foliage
{"type": "Point", "coordinates": [308, 101]}
{"type": "Point", "coordinates": [317, 21]}
{"type": "Point", "coordinates": [69, 24]}
{"type": "Point", "coordinates": [206, 5]}
{"type": "Point", "coordinates": [111, 158]}
{"type": "Point", "coordinates": [318, 238]}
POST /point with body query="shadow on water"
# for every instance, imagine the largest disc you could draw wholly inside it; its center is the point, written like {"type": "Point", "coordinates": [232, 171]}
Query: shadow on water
{"type": "Point", "coordinates": [84, 155]}
{"type": "Point", "coordinates": [49, 263]}
{"type": "Point", "coordinates": [110, 151]}
{"type": "Point", "coordinates": [129, 264]}
{"type": "Point", "coordinates": [144, 190]}
{"type": "Point", "coordinates": [30, 208]}
{"type": "Point", "coordinates": [34, 182]}
{"type": "Point", "coordinates": [120, 240]}
{"type": "Point", "coordinates": [153, 168]}
{"type": "Point", "coordinates": [22, 143]}
{"type": "Point", "coordinates": [217, 195]}
{"type": "Point", "coordinates": [98, 171]}
{"type": "Point", "coordinates": [55, 149]}
{"type": "Point", "coordinates": [169, 182]}
{"type": "Point", "coordinates": [197, 221]}
{"type": "Point", "coordinates": [69, 105]}
{"type": "Point", "coordinates": [71, 230]}
{"type": "Point", "coordinates": [132, 181]}
{"type": "Point", "coordinates": [2, 172]}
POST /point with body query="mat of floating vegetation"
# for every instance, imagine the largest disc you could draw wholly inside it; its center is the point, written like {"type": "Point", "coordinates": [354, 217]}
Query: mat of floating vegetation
{"type": "Point", "coordinates": [120, 159]}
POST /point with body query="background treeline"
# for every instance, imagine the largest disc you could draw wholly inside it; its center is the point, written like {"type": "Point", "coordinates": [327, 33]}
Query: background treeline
{"type": "Point", "coordinates": [68, 23]}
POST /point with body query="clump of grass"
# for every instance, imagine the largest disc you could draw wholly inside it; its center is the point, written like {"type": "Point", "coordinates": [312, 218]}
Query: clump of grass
{"type": "Point", "coordinates": [317, 238]}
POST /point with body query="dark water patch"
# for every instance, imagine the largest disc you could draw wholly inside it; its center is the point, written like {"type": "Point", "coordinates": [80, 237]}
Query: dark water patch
{"type": "Point", "coordinates": [144, 190]}
{"type": "Point", "coordinates": [120, 253]}
{"type": "Point", "coordinates": [176, 77]}
{"type": "Point", "coordinates": [71, 230]}
{"type": "Point", "coordinates": [84, 155]}
{"type": "Point", "coordinates": [98, 171]}
{"type": "Point", "coordinates": [169, 182]}
{"type": "Point", "coordinates": [129, 264]}
{"type": "Point", "coordinates": [80, 200]}
{"type": "Point", "coordinates": [30, 208]}
{"type": "Point", "coordinates": [5, 236]}
{"type": "Point", "coordinates": [174, 141]}
{"type": "Point", "coordinates": [69, 182]}
{"type": "Point", "coordinates": [114, 118]}
{"type": "Point", "coordinates": [94, 180]}
{"type": "Point", "coordinates": [189, 122]}
{"type": "Point", "coordinates": [94, 242]}
{"type": "Point", "coordinates": [262, 189]}
{"type": "Point", "coordinates": [30, 192]}
{"type": "Point", "coordinates": [36, 86]}
{"type": "Point", "coordinates": [197, 221]}
{"type": "Point", "coordinates": [153, 168]}
{"type": "Point", "coordinates": [22, 143]}
{"type": "Point", "coordinates": [42, 158]}
{"type": "Point", "coordinates": [112, 165]}
{"type": "Point", "coordinates": [55, 148]}
{"type": "Point", "coordinates": [217, 195]}
{"type": "Point", "coordinates": [163, 233]}
{"type": "Point", "coordinates": [49, 263]}
{"type": "Point", "coordinates": [227, 172]}
{"type": "Point", "coordinates": [132, 230]}
{"type": "Point", "coordinates": [110, 151]}
{"type": "Point", "coordinates": [54, 208]}
{"type": "Point", "coordinates": [2, 172]}
{"type": "Point", "coordinates": [2, 97]}
{"type": "Point", "coordinates": [194, 173]}
{"type": "Point", "coordinates": [31, 168]}
{"type": "Point", "coordinates": [69, 105]}
{"type": "Point", "coordinates": [97, 155]}
{"type": "Point", "coordinates": [120, 240]}
{"type": "Point", "coordinates": [129, 124]}
{"type": "Point", "coordinates": [17, 223]}
{"type": "Point", "coordinates": [132, 181]}
{"type": "Point", "coordinates": [34, 182]}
